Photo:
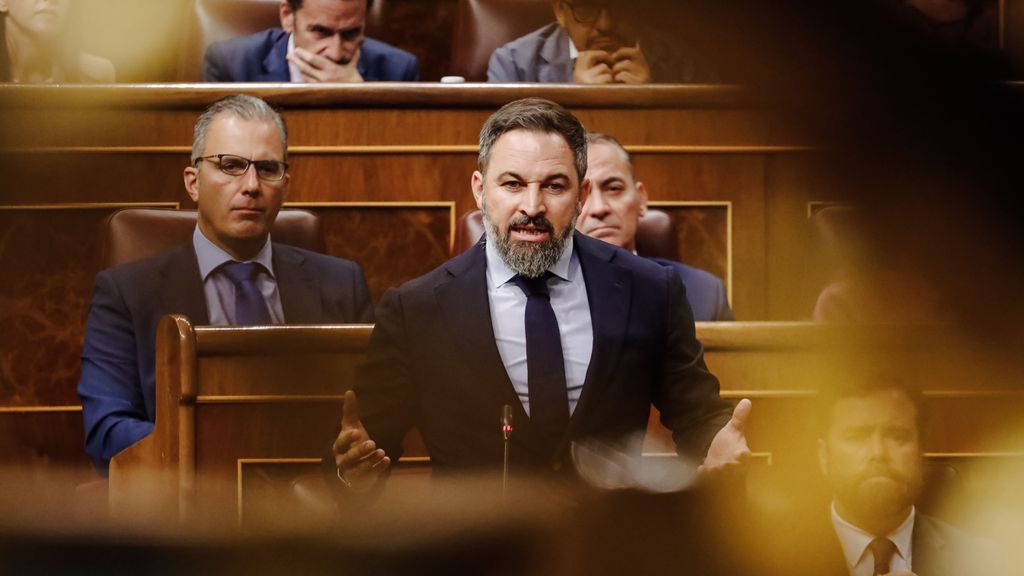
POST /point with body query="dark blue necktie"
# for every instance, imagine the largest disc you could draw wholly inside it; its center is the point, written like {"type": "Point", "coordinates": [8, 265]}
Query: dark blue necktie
{"type": "Point", "coordinates": [549, 398]}
{"type": "Point", "coordinates": [250, 307]}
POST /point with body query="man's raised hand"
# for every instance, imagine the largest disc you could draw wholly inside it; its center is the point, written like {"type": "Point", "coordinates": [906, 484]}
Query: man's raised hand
{"type": "Point", "coordinates": [729, 451]}
{"type": "Point", "coordinates": [356, 456]}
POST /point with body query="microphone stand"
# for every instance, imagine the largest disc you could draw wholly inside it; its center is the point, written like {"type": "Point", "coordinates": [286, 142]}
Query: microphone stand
{"type": "Point", "coordinates": [506, 433]}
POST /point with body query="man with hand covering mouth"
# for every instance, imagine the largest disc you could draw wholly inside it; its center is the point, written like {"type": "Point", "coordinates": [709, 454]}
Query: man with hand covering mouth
{"type": "Point", "coordinates": [579, 337]}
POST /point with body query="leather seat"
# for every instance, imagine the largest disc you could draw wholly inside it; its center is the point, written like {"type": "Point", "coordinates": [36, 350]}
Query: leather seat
{"type": "Point", "coordinates": [217, 20]}
{"type": "Point", "coordinates": [482, 26]}
{"type": "Point", "coordinates": [655, 236]}
{"type": "Point", "coordinates": [132, 234]}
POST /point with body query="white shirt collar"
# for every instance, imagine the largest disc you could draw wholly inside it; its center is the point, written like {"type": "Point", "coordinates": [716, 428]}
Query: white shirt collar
{"type": "Point", "coordinates": [294, 74]}
{"type": "Point", "coordinates": [499, 273]}
{"type": "Point", "coordinates": [574, 52]}
{"type": "Point", "coordinates": [855, 541]}
{"type": "Point", "coordinates": [211, 256]}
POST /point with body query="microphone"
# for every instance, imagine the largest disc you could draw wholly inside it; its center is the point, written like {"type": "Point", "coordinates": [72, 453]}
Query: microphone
{"type": "Point", "coordinates": [506, 433]}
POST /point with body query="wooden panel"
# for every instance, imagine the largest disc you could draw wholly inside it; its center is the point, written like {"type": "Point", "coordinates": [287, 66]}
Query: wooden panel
{"type": "Point", "coordinates": [45, 441]}
{"type": "Point", "coordinates": [50, 257]}
{"type": "Point", "coordinates": [273, 394]}
{"type": "Point", "coordinates": [703, 235]}
{"type": "Point", "coordinates": [392, 243]}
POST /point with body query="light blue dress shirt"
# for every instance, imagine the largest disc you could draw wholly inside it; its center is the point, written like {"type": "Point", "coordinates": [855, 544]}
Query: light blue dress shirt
{"type": "Point", "coordinates": [220, 291]}
{"type": "Point", "coordinates": [572, 310]}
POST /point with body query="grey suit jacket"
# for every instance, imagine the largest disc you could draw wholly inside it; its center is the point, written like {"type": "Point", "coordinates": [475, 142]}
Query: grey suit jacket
{"type": "Point", "coordinates": [543, 56]}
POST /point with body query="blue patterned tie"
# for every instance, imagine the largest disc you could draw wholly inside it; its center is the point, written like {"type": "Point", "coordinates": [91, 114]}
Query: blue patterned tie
{"type": "Point", "coordinates": [250, 307]}
{"type": "Point", "coordinates": [549, 399]}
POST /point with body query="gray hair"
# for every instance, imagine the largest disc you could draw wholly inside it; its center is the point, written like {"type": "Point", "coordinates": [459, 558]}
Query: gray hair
{"type": "Point", "coordinates": [243, 106]}
{"type": "Point", "coordinates": [600, 138]}
{"type": "Point", "coordinates": [538, 115]}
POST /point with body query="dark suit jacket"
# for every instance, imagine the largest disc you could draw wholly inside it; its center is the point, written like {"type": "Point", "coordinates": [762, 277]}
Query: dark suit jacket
{"type": "Point", "coordinates": [433, 363]}
{"type": "Point", "coordinates": [118, 381]}
{"type": "Point", "coordinates": [704, 290]}
{"type": "Point", "coordinates": [260, 57]}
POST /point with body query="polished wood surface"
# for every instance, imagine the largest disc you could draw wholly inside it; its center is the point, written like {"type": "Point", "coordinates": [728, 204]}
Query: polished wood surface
{"type": "Point", "coordinates": [253, 407]}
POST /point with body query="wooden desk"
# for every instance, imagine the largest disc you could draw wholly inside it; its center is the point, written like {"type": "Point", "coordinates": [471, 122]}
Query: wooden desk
{"type": "Point", "coordinates": [241, 411]}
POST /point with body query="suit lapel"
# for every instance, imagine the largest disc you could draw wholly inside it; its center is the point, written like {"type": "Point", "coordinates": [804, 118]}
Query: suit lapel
{"type": "Point", "coordinates": [466, 310]}
{"type": "Point", "coordinates": [297, 286]}
{"type": "Point", "coordinates": [608, 292]}
{"type": "Point", "coordinates": [181, 286]}
{"type": "Point", "coordinates": [927, 549]}
{"type": "Point", "coordinates": [275, 65]}
{"type": "Point", "coordinates": [555, 53]}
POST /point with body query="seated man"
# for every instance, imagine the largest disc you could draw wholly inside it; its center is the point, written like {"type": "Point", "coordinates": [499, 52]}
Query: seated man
{"type": "Point", "coordinates": [611, 212]}
{"type": "Point", "coordinates": [577, 339]}
{"type": "Point", "coordinates": [319, 41]}
{"type": "Point", "coordinates": [229, 273]}
{"type": "Point", "coordinates": [870, 453]}
{"type": "Point", "coordinates": [592, 42]}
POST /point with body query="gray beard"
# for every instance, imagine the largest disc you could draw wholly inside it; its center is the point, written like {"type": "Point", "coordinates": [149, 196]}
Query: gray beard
{"type": "Point", "coordinates": [528, 259]}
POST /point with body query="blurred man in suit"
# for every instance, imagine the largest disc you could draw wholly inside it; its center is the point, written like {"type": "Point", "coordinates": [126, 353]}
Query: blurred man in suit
{"type": "Point", "coordinates": [590, 42]}
{"type": "Point", "coordinates": [577, 337]}
{"type": "Point", "coordinates": [612, 211]}
{"type": "Point", "coordinates": [229, 273]}
{"type": "Point", "coordinates": [319, 41]}
{"type": "Point", "coordinates": [870, 453]}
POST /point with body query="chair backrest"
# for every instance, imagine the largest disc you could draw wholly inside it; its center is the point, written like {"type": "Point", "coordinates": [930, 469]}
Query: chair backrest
{"type": "Point", "coordinates": [655, 235]}
{"type": "Point", "coordinates": [217, 20]}
{"type": "Point", "coordinates": [135, 233]}
{"type": "Point", "coordinates": [481, 26]}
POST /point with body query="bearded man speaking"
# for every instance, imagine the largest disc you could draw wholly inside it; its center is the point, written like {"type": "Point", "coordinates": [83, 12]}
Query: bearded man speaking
{"type": "Point", "coordinates": [577, 336]}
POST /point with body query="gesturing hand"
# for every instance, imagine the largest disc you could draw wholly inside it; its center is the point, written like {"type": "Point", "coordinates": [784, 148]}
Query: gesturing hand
{"type": "Point", "coordinates": [356, 456]}
{"type": "Point", "coordinates": [318, 68]}
{"type": "Point", "coordinates": [593, 67]}
{"type": "Point", "coordinates": [729, 451]}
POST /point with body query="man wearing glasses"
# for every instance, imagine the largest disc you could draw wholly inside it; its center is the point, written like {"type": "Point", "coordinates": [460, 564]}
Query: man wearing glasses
{"type": "Point", "coordinates": [229, 273]}
{"type": "Point", "coordinates": [592, 42]}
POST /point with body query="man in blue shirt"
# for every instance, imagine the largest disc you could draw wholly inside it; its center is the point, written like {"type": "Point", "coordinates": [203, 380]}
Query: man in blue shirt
{"type": "Point", "coordinates": [319, 41]}
{"type": "Point", "coordinates": [229, 273]}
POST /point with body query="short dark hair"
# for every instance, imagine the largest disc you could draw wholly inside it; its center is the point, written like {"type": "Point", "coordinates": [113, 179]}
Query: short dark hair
{"type": "Point", "coordinates": [538, 115]}
{"type": "Point", "coordinates": [601, 138]}
{"type": "Point", "coordinates": [296, 4]}
{"type": "Point", "coordinates": [861, 386]}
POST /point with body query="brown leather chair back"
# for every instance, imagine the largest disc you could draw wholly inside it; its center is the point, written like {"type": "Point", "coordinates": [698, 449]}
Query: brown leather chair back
{"type": "Point", "coordinates": [481, 26]}
{"type": "Point", "coordinates": [655, 235]}
{"type": "Point", "coordinates": [217, 20]}
{"type": "Point", "coordinates": [135, 233]}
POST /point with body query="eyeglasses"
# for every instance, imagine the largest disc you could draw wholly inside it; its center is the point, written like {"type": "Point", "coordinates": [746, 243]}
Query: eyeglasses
{"type": "Point", "coordinates": [585, 12]}
{"type": "Point", "coordinates": [269, 170]}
